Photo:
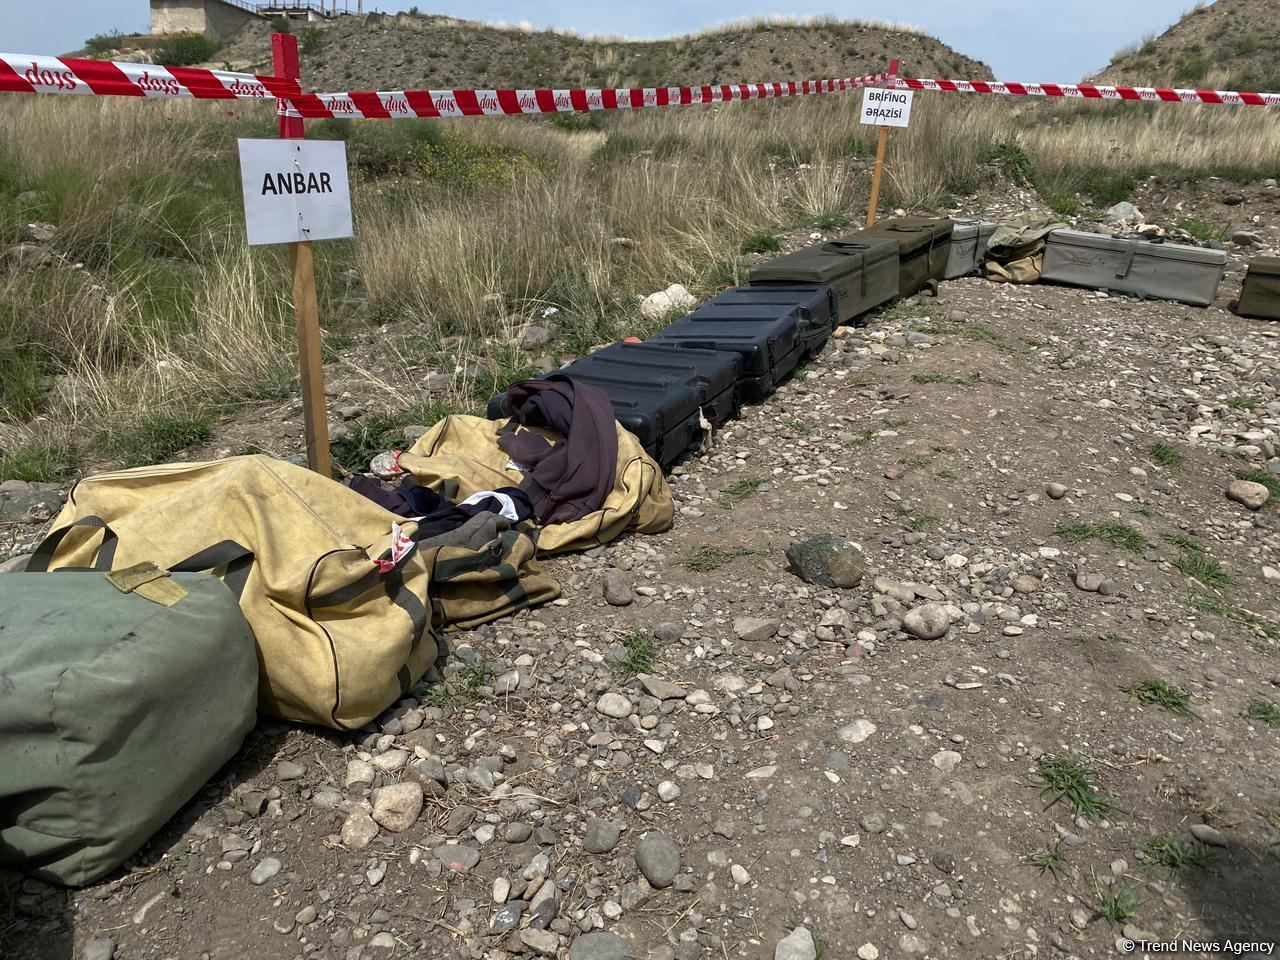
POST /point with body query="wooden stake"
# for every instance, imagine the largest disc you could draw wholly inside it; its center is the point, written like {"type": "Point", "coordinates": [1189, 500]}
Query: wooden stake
{"type": "Point", "coordinates": [306, 307]}
{"type": "Point", "coordinates": [310, 360]}
{"type": "Point", "coordinates": [881, 148]}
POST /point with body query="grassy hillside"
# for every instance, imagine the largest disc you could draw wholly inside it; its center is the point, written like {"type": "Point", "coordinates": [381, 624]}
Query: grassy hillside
{"type": "Point", "coordinates": [1227, 45]}
{"type": "Point", "coordinates": [142, 320]}
{"type": "Point", "coordinates": [418, 51]}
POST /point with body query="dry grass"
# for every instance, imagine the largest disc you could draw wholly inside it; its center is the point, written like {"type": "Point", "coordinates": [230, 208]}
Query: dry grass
{"type": "Point", "coordinates": [467, 228]}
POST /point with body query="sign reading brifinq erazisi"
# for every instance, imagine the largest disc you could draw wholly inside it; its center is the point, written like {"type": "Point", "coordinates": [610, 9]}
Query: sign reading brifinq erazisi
{"type": "Point", "coordinates": [295, 190]}
{"type": "Point", "coordinates": [886, 108]}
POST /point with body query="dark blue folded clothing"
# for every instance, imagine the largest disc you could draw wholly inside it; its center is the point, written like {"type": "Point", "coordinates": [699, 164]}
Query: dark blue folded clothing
{"type": "Point", "coordinates": [437, 514]}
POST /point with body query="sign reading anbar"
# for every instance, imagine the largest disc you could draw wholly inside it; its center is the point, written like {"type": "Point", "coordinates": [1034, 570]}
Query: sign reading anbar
{"type": "Point", "coordinates": [886, 108]}
{"type": "Point", "coordinates": [295, 190]}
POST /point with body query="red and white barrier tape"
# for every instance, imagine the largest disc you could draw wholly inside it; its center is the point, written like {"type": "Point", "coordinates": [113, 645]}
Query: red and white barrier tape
{"type": "Point", "coordinates": [24, 73]}
{"type": "Point", "coordinates": [407, 104]}
{"type": "Point", "coordinates": [27, 73]}
{"type": "Point", "coordinates": [1092, 91]}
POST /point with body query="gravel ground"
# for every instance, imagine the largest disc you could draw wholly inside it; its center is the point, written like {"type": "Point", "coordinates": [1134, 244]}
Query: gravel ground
{"type": "Point", "coordinates": [1053, 586]}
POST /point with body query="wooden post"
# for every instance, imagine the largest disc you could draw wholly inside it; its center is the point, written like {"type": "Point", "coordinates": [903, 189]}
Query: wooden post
{"type": "Point", "coordinates": [881, 148]}
{"type": "Point", "coordinates": [306, 307]}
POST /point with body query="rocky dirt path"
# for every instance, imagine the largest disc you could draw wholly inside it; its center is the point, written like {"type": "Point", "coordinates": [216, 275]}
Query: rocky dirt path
{"type": "Point", "coordinates": [1059, 602]}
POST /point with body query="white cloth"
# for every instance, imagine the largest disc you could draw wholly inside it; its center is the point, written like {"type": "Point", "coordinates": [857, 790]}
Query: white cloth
{"type": "Point", "coordinates": [508, 505]}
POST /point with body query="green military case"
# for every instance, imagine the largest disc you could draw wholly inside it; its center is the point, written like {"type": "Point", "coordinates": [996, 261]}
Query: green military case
{"type": "Point", "coordinates": [1260, 296]}
{"type": "Point", "coordinates": [863, 271]}
{"type": "Point", "coordinates": [115, 710]}
{"type": "Point", "coordinates": [924, 247]}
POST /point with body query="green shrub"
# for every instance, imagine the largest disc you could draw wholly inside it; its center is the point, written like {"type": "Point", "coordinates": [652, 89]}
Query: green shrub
{"type": "Point", "coordinates": [311, 41]}
{"type": "Point", "coordinates": [281, 24]}
{"type": "Point", "coordinates": [763, 241]}
{"type": "Point", "coordinates": [575, 122]}
{"type": "Point", "coordinates": [185, 49]}
{"type": "Point", "coordinates": [40, 463]}
{"type": "Point", "coordinates": [1010, 158]}
{"type": "Point", "coordinates": [156, 436]}
{"type": "Point", "coordinates": [1064, 205]}
{"type": "Point", "coordinates": [22, 381]}
{"type": "Point", "coordinates": [102, 43]}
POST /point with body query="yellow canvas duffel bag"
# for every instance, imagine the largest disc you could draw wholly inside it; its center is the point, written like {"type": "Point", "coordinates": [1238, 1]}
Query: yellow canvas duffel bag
{"type": "Point", "coordinates": [337, 594]}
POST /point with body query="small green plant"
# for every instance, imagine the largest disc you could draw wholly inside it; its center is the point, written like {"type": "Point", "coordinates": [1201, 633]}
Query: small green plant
{"type": "Point", "coordinates": [744, 488]}
{"type": "Point", "coordinates": [914, 463]}
{"type": "Point", "coordinates": [185, 49]}
{"type": "Point", "coordinates": [919, 522]}
{"type": "Point", "coordinates": [1049, 860]}
{"type": "Point", "coordinates": [475, 676]}
{"type": "Point", "coordinates": [157, 436]}
{"type": "Point", "coordinates": [39, 463]}
{"type": "Point", "coordinates": [1075, 782]}
{"type": "Point", "coordinates": [1177, 856]}
{"type": "Point", "coordinates": [1117, 534]}
{"type": "Point", "coordinates": [1117, 903]}
{"type": "Point", "coordinates": [1243, 403]}
{"type": "Point", "coordinates": [1197, 564]}
{"type": "Point", "coordinates": [934, 376]}
{"type": "Point", "coordinates": [1207, 603]}
{"type": "Point", "coordinates": [1065, 205]}
{"type": "Point", "coordinates": [641, 653]}
{"type": "Point", "coordinates": [706, 559]}
{"type": "Point", "coordinates": [829, 220]}
{"type": "Point", "coordinates": [281, 24]}
{"type": "Point", "coordinates": [1167, 455]}
{"type": "Point", "coordinates": [1264, 712]}
{"type": "Point", "coordinates": [1163, 695]}
{"type": "Point", "coordinates": [1204, 232]}
{"type": "Point", "coordinates": [1264, 477]}
{"type": "Point", "coordinates": [764, 241]}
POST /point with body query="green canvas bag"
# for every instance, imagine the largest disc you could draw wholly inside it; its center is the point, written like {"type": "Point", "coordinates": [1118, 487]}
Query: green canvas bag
{"type": "Point", "coordinates": [118, 702]}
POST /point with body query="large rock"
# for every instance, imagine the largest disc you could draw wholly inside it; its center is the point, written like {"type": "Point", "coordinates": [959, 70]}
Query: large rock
{"type": "Point", "coordinates": [658, 858]}
{"type": "Point", "coordinates": [359, 831]}
{"type": "Point", "coordinates": [16, 564]}
{"type": "Point", "coordinates": [797, 945]}
{"type": "Point", "coordinates": [755, 629]}
{"type": "Point", "coordinates": [1124, 213]}
{"type": "Point", "coordinates": [660, 305]}
{"type": "Point", "coordinates": [928, 622]}
{"type": "Point", "coordinates": [614, 705]}
{"type": "Point", "coordinates": [619, 588]}
{"type": "Point", "coordinates": [662, 689]}
{"type": "Point", "coordinates": [397, 806]}
{"type": "Point", "coordinates": [600, 946]}
{"type": "Point", "coordinates": [827, 561]}
{"type": "Point", "coordinates": [1250, 494]}
{"type": "Point", "coordinates": [536, 335]}
{"type": "Point", "coordinates": [601, 836]}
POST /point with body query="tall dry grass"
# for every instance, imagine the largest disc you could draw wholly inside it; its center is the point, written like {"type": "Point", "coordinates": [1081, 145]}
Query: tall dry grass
{"type": "Point", "coordinates": [465, 229]}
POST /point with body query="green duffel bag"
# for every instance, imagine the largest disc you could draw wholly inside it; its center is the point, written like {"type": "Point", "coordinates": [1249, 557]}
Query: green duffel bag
{"type": "Point", "coordinates": [121, 694]}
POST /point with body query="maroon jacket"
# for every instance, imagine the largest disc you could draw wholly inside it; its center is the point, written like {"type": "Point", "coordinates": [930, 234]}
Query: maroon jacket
{"type": "Point", "coordinates": [570, 478]}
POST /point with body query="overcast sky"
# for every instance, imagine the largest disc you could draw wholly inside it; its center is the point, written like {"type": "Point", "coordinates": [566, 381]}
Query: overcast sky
{"type": "Point", "coordinates": [1031, 41]}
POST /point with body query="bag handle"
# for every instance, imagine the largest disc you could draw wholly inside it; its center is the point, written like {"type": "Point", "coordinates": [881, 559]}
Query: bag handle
{"type": "Point", "coordinates": [846, 247]}
{"type": "Point", "coordinates": [1130, 252]}
{"type": "Point", "coordinates": [236, 558]}
{"type": "Point", "coordinates": [103, 559]}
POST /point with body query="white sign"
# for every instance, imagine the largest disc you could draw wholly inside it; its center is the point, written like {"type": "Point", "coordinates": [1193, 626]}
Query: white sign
{"type": "Point", "coordinates": [295, 190]}
{"type": "Point", "coordinates": [886, 108]}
